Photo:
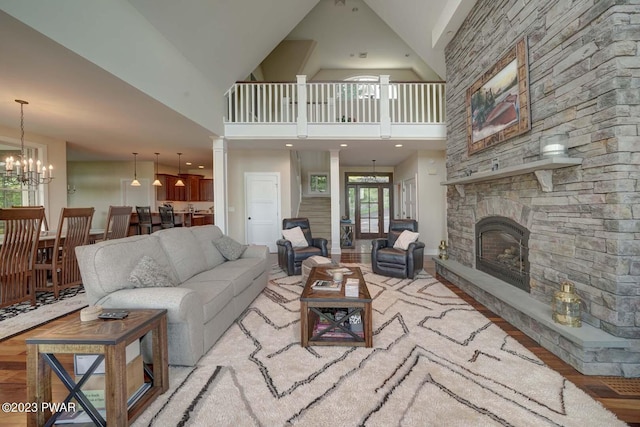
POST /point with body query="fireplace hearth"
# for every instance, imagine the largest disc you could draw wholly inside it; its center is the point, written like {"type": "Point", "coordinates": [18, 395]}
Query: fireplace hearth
{"type": "Point", "coordinates": [502, 251]}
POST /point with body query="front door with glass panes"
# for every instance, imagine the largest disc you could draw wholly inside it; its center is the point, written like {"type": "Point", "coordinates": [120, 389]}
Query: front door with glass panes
{"type": "Point", "coordinates": [369, 203]}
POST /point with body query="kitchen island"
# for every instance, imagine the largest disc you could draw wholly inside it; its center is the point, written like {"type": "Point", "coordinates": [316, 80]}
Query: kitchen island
{"type": "Point", "coordinates": [182, 219]}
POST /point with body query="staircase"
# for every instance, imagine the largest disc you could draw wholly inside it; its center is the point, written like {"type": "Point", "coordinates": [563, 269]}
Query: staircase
{"type": "Point", "coordinates": [318, 210]}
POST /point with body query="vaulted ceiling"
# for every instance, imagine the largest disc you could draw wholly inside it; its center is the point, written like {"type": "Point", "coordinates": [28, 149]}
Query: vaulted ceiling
{"type": "Point", "coordinates": [149, 75]}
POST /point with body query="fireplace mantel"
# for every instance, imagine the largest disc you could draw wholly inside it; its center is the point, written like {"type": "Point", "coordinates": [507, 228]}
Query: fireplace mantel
{"type": "Point", "coordinates": [542, 169]}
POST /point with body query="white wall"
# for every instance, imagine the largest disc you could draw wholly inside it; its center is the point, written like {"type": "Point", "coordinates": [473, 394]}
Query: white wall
{"type": "Point", "coordinates": [241, 161]}
{"type": "Point", "coordinates": [430, 168]}
{"type": "Point", "coordinates": [432, 204]}
{"type": "Point", "coordinates": [295, 182]}
{"type": "Point", "coordinates": [314, 161]}
{"type": "Point", "coordinates": [98, 184]}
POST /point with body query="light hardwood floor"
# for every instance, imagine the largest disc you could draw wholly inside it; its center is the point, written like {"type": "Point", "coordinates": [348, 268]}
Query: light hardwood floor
{"type": "Point", "coordinates": [619, 395]}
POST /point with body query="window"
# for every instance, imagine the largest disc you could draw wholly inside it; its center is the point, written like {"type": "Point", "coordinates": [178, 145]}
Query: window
{"type": "Point", "coordinates": [369, 88]}
{"type": "Point", "coordinates": [11, 192]}
{"type": "Point", "coordinates": [318, 183]}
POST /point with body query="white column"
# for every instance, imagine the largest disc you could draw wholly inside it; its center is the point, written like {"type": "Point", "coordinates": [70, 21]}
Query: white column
{"type": "Point", "coordinates": [220, 199]}
{"type": "Point", "coordinates": [335, 201]}
{"type": "Point", "coordinates": [302, 120]}
{"type": "Point", "coordinates": [385, 116]}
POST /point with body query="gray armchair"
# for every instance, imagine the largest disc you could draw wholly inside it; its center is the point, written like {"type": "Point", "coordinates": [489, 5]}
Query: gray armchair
{"type": "Point", "coordinates": [290, 258]}
{"type": "Point", "coordinates": [389, 261]}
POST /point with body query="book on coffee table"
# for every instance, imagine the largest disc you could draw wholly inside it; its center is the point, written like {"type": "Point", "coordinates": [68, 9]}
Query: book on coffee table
{"type": "Point", "coordinates": [326, 285]}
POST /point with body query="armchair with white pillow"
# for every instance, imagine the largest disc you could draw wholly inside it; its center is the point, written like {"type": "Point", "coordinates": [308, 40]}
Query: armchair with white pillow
{"type": "Point", "coordinates": [400, 255]}
{"type": "Point", "coordinates": [298, 244]}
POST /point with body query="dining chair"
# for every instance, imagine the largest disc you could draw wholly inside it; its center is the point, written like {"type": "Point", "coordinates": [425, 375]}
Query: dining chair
{"type": "Point", "coordinates": [144, 219]}
{"type": "Point", "coordinates": [118, 220]}
{"type": "Point", "coordinates": [40, 277]}
{"type": "Point", "coordinates": [18, 253]}
{"type": "Point", "coordinates": [73, 230]}
{"type": "Point", "coordinates": [45, 224]}
{"type": "Point", "coordinates": [167, 217]}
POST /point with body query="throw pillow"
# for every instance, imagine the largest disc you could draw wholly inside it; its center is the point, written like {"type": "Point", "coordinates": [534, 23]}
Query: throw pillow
{"type": "Point", "coordinates": [229, 248]}
{"type": "Point", "coordinates": [296, 237]}
{"type": "Point", "coordinates": [149, 274]}
{"type": "Point", "coordinates": [404, 239]}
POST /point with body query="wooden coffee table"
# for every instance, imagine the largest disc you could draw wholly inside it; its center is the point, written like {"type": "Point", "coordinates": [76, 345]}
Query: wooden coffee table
{"type": "Point", "coordinates": [108, 339]}
{"type": "Point", "coordinates": [318, 323]}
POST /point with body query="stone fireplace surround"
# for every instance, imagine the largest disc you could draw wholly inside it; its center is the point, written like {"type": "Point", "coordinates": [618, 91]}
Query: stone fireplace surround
{"type": "Point", "coordinates": [590, 350]}
{"type": "Point", "coordinates": [584, 217]}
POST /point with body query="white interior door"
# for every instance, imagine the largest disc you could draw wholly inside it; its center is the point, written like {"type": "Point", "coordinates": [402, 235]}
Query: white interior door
{"type": "Point", "coordinates": [409, 198]}
{"type": "Point", "coordinates": [262, 192]}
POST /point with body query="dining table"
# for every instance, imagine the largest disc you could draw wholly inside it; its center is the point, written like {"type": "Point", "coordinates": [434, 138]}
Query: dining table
{"type": "Point", "coordinates": [48, 238]}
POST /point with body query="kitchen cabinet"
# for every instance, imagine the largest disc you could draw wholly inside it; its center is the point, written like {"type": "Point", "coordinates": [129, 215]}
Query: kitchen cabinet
{"type": "Point", "coordinates": [168, 189]}
{"type": "Point", "coordinates": [206, 190]}
{"type": "Point", "coordinates": [196, 188]}
{"type": "Point", "coordinates": [192, 187]}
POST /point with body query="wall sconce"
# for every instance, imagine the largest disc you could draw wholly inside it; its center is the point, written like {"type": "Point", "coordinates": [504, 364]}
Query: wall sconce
{"type": "Point", "coordinates": [71, 189]}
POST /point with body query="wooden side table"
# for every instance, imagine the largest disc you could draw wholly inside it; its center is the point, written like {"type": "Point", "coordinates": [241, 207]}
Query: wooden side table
{"type": "Point", "coordinates": [109, 339]}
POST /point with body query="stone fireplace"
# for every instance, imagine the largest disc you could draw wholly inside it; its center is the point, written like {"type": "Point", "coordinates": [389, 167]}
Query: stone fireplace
{"type": "Point", "coordinates": [581, 209]}
{"type": "Point", "coordinates": [502, 251]}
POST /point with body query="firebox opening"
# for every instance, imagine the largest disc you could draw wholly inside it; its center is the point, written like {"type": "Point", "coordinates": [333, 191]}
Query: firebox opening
{"type": "Point", "coordinates": [502, 250]}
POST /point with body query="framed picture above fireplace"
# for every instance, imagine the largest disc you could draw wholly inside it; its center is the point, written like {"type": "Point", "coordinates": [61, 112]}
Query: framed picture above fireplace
{"type": "Point", "coordinates": [498, 102]}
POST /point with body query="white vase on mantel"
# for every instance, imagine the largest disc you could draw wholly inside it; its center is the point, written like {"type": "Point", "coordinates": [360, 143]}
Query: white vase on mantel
{"type": "Point", "coordinates": [553, 146]}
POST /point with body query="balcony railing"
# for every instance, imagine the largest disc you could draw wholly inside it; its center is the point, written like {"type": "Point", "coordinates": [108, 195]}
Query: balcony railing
{"type": "Point", "coordinates": [336, 102]}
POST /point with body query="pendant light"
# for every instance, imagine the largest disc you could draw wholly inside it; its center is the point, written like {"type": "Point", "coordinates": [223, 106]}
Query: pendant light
{"type": "Point", "coordinates": [135, 182]}
{"type": "Point", "coordinates": [179, 183]}
{"type": "Point", "coordinates": [157, 182]}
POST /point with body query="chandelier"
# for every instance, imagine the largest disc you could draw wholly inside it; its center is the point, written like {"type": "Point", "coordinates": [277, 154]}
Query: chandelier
{"type": "Point", "coordinates": [22, 170]}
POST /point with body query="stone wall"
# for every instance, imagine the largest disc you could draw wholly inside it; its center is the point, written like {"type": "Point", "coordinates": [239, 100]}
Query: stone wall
{"type": "Point", "coordinates": [584, 78]}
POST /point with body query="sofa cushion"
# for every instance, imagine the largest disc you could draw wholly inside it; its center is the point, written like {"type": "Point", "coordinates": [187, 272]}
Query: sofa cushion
{"type": "Point", "coordinates": [229, 248]}
{"type": "Point", "coordinates": [149, 274]}
{"type": "Point", "coordinates": [205, 235]}
{"type": "Point", "coordinates": [183, 250]}
{"type": "Point", "coordinates": [214, 294]}
{"type": "Point", "coordinates": [240, 272]}
{"type": "Point", "coordinates": [106, 266]}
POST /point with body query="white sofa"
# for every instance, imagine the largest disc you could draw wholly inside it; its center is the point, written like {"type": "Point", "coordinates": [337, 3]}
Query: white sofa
{"type": "Point", "coordinates": [212, 292]}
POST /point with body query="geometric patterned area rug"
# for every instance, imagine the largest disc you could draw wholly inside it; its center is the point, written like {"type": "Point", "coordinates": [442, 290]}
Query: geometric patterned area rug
{"type": "Point", "coordinates": [435, 361]}
{"type": "Point", "coordinates": [17, 318]}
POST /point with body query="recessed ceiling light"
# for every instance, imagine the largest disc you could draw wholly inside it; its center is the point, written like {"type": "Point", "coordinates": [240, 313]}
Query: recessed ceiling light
{"type": "Point", "coordinates": [200, 167]}
{"type": "Point", "coordinates": [188, 163]}
{"type": "Point", "coordinates": [398, 145]}
{"type": "Point", "coordinates": [344, 145]}
{"type": "Point", "coordinates": [288, 145]}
